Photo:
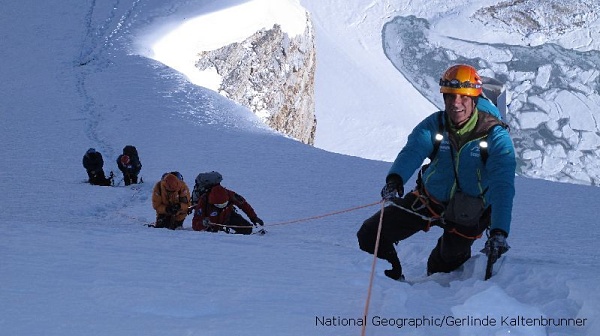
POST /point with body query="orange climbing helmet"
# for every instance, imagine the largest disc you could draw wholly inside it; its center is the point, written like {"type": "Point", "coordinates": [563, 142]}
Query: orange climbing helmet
{"type": "Point", "coordinates": [461, 79]}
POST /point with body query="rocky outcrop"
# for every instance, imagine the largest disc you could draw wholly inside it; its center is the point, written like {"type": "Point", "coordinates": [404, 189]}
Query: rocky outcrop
{"type": "Point", "coordinates": [273, 75]}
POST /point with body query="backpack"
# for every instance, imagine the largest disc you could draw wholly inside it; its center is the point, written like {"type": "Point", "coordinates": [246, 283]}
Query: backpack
{"type": "Point", "coordinates": [93, 160]}
{"type": "Point", "coordinates": [495, 91]}
{"type": "Point", "coordinates": [135, 165]}
{"type": "Point", "coordinates": [203, 183]}
{"type": "Point", "coordinates": [130, 151]}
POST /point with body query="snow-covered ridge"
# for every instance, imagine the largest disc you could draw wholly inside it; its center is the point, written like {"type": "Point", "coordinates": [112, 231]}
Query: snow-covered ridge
{"type": "Point", "coordinates": [258, 53]}
{"type": "Point", "coordinates": [179, 46]}
{"type": "Point", "coordinates": [272, 74]}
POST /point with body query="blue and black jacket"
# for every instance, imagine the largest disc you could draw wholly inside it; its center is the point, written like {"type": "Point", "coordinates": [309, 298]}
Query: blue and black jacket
{"type": "Point", "coordinates": [492, 179]}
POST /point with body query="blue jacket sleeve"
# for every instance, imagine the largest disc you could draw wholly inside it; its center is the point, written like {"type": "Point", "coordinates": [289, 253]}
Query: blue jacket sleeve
{"type": "Point", "coordinates": [500, 169]}
{"type": "Point", "coordinates": [418, 147]}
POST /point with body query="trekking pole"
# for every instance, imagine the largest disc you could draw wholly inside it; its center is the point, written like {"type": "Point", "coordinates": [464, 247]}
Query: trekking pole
{"type": "Point", "coordinates": [493, 250]}
{"type": "Point", "coordinates": [260, 232]}
{"type": "Point", "coordinates": [226, 227]}
{"type": "Point", "coordinates": [492, 257]}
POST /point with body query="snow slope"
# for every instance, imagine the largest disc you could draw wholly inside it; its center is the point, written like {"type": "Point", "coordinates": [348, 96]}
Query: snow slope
{"type": "Point", "coordinates": [548, 65]}
{"type": "Point", "coordinates": [79, 260]}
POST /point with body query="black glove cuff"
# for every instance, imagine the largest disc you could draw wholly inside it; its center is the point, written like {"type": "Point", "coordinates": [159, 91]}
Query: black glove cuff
{"type": "Point", "coordinates": [394, 178]}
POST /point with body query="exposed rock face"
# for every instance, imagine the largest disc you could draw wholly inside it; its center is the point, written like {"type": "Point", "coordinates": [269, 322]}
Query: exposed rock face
{"type": "Point", "coordinates": [536, 17]}
{"type": "Point", "coordinates": [272, 74]}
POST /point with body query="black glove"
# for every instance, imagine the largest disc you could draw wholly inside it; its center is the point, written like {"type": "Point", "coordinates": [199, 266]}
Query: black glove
{"type": "Point", "coordinates": [394, 187]}
{"type": "Point", "coordinates": [209, 227]}
{"type": "Point", "coordinates": [258, 221]}
{"type": "Point", "coordinates": [173, 209]}
{"type": "Point", "coordinates": [497, 240]}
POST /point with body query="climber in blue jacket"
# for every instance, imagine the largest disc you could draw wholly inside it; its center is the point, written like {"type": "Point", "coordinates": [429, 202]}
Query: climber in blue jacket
{"type": "Point", "coordinates": [466, 188]}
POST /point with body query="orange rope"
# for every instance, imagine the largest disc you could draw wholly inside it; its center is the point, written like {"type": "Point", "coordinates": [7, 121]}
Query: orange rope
{"type": "Point", "coordinates": [366, 312]}
{"type": "Point", "coordinates": [301, 219]}
{"type": "Point", "coordinates": [294, 221]}
{"type": "Point", "coordinates": [325, 215]}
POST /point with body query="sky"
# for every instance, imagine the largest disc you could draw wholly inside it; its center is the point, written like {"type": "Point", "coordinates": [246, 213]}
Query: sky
{"type": "Point", "coordinates": [80, 260]}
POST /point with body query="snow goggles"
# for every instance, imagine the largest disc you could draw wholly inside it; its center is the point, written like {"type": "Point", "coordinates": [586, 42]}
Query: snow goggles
{"type": "Point", "coordinates": [221, 205]}
{"type": "Point", "coordinates": [456, 84]}
{"type": "Point", "coordinates": [176, 173]}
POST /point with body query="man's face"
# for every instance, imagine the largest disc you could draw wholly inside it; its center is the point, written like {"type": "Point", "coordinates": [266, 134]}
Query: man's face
{"type": "Point", "coordinates": [459, 108]}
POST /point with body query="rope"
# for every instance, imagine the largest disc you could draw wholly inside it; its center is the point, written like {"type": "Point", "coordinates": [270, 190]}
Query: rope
{"type": "Point", "coordinates": [302, 219]}
{"type": "Point", "coordinates": [366, 312]}
{"type": "Point", "coordinates": [430, 219]}
{"type": "Point", "coordinates": [326, 215]}
{"type": "Point", "coordinates": [443, 223]}
{"type": "Point", "coordinates": [262, 230]}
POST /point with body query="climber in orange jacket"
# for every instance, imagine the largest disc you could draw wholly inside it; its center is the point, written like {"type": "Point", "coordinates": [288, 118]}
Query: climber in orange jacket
{"type": "Point", "coordinates": [171, 200]}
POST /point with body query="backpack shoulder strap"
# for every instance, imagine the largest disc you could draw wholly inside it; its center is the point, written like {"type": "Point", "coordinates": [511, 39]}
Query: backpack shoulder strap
{"type": "Point", "coordinates": [205, 199]}
{"type": "Point", "coordinates": [439, 136]}
{"type": "Point", "coordinates": [483, 144]}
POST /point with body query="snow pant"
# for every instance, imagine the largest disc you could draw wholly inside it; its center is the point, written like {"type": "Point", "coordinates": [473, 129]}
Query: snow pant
{"type": "Point", "coordinates": [168, 222]}
{"type": "Point", "coordinates": [450, 253]}
{"type": "Point", "coordinates": [236, 222]}
{"type": "Point", "coordinates": [98, 177]}
{"type": "Point", "coordinates": [242, 226]}
{"type": "Point", "coordinates": [130, 179]}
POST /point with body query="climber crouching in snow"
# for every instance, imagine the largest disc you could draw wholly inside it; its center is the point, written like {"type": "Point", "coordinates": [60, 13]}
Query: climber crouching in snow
{"type": "Point", "coordinates": [216, 211]}
{"type": "Point", "coordinates": [467, 188]}
{"type": "Point", "coordinates": [94, 166]}
{"type": "Point", "coordinates": [129, 164]}
{"type": "Point", "coordinates": [171, 200]}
